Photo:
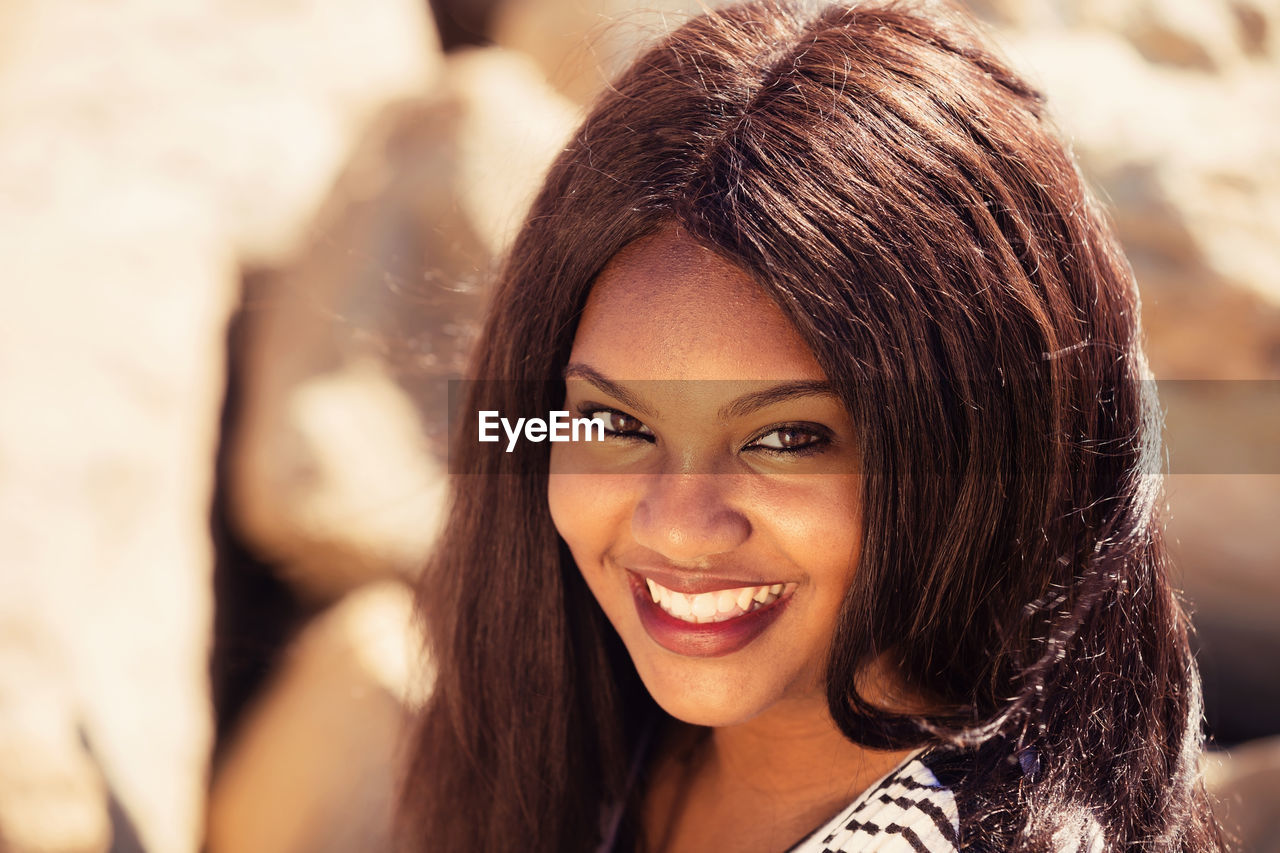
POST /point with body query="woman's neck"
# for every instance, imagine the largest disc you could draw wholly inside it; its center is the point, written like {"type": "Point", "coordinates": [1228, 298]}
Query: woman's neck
{"type": "Point", "coordinates": [760, 785]}
{"type": "Point", "coordinates": [792, 751]}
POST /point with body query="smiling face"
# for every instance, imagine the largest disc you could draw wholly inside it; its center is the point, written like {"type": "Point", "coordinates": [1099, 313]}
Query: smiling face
{"type": "Point", "coordinates": [718, 524]}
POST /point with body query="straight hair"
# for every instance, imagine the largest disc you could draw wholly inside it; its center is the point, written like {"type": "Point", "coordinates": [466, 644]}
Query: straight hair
{"type": "Point", "coordinates": [900, 194]}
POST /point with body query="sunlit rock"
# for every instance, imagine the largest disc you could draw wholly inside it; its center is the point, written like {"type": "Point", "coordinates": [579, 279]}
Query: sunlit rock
{"type": "Point", "coordinates": [313, 766]}
{"type": "Point", "coordinates": [147, 149]}
{"type": "Point", "coordinates": [340, 449]}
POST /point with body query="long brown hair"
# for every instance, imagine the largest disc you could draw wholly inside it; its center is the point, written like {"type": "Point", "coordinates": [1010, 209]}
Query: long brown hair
{"type": "Point", "coordinates": [898, 191]}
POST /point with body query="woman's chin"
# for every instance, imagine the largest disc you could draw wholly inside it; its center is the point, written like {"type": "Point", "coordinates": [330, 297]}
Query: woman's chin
{"type": "Point", "coordinates": [711, 713]}
{"type": "Point", "coordinates": [706, 695]}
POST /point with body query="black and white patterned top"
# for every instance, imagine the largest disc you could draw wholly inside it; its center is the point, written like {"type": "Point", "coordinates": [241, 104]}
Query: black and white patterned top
{"type": "Point", "coordinates": [912, 809]}
{"type": "Point", "coordinates": [908, 811]}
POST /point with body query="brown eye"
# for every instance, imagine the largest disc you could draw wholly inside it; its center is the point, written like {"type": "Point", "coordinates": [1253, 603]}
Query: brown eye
{"type": "Point", "coordinates": [624, 423]}
{"type": "Point", "coordinates": [620, 423]}
{"type": "Point", "coordinates": [790, 439]}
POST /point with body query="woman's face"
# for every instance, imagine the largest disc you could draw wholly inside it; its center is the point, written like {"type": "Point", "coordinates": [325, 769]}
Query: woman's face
{"type": "Point", "coordinates": [727, 487]}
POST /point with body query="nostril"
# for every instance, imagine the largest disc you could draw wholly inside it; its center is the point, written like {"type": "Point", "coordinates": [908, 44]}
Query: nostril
{"type": "Point", "coordinates": [688, 521]}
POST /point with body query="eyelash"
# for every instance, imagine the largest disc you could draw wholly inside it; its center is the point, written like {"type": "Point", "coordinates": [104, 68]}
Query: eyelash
{"type": "Point", "coordinates": [821, 439]}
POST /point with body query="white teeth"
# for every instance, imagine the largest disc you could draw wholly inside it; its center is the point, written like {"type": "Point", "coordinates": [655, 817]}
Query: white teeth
{"type": "Point", "coordinates": [717, 606]}
{"type": "Point", "coordinates": [704, 605]}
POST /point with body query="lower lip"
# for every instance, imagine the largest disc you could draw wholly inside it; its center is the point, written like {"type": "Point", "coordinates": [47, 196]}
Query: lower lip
{"type": "Point", "coordinates": [707, 640]}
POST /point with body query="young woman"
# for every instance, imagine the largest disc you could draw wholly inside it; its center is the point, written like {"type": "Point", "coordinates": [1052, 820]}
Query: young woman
{"type": "Point", "coordinates": [868, 556]}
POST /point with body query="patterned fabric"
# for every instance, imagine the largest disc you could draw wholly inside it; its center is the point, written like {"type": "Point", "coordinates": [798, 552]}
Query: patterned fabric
{"type": "Point", "coordinates": [909, 811]}
{"type": "Point", "coordinates": [913, 810]}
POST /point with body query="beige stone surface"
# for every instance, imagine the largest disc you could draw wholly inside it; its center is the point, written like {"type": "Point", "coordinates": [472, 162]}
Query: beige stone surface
{"type": "Point", "coordinates": [1257, 21]}
{"type": "Point", "coordinates": [147, 148]}
{"type": "Point", "coordinates": [1245, 780]}
{"type": "Point", "coordinates": [106, 450]}
{"type": "Point", "coordinates": [1189, 166]}
{"type": "Point", "coordinates": [582, 44]}
{"type": "Point", "coordinates": [103, 496]}
{"type": "Point", "coordinates": [1191, 34]}
{"type": "Point", "coordinates": [1178, 127]}
{"type": "Point", "coordinates": [254, 105]}
{"type": "Point", "coordinates": [52, 796]}
{"type": "Point", "coordinates": [1225, 542]}
{"type": "Point", "coordinates": [337, 467]}
{"type": "Point", "coordinates": [313, 767]}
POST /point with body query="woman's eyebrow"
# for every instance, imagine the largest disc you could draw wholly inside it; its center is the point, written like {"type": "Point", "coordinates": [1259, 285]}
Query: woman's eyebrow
{"type": "Point", "coordinates": [748, 403]}
{"type": "Point", "coordinates": [744, 405]}
{"type": "Point", "coordinates": [613, 389]}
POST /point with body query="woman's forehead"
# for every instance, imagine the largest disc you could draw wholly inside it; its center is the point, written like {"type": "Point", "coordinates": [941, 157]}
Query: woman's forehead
{"type": "Point", "coordinates": [666, 307]}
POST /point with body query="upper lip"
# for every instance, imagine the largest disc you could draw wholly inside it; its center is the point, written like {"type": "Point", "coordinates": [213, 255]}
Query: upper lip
{"type": "Point", "coordinates": [695, 584]}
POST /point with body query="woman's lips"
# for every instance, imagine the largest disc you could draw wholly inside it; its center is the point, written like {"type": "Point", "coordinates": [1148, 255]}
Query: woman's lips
{"type": "Point", "coordinates": [720, 617]}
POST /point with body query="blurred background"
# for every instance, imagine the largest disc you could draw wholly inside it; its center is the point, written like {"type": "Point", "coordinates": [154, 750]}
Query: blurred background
{"type": "Point", "coordinates": [242, 242]}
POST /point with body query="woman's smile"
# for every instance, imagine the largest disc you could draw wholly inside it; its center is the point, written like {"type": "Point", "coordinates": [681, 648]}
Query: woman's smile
{"type": "Point", "coordinates": [718, 525]}
{"type": "Point", "coordinates": [700, 600]}
{"type": "Point", "coordinates": [718, 621]}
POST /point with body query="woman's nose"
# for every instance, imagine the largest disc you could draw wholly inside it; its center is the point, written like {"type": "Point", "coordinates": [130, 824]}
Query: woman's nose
{"type": "Point", "coordinates": [685, 517]}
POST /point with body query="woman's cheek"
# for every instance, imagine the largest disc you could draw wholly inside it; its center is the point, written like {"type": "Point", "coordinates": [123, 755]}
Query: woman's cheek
{"type": "Point", "coordinates": [562, 500]}
{"type": "Point", "coordinates": [586, 510]}
{"type": "Point", "coordinates": [814, 519]}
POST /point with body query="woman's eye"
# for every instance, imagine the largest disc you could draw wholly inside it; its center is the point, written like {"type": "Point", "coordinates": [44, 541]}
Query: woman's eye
{"type": "Point", "coordinates": [790, 439]}
{"type": "Point", "coordinates": [620, 424]}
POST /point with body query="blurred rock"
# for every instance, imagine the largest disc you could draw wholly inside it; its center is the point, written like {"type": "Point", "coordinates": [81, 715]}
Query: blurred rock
{"type": "Point", "coordinates": [582, 45]}
{"type": "Point", "coordinates": [1246, 783]}
{"type": "Point", "coordinates": [107, 439]}
{"type": "Point", "coordinates": [463, 23]}
{"type": "Point", "coordinates": [313, 768]}
{"type": "Point", "coordinates": [1203, 35]}
{"type": "Point", "coordinates": [103, 498]}
{"type": "Point", "coordinates": [1188, 165]}
{"type": "Point", "coordinates": [52, 797]}
{"type": "Point", "coordinates": [146, 148]}
{"type": "Point", "coordinates": [1190, 168]}
{"type": "Point", "coordinates": [254, 106]}
{"type": "Point", "coordinates": [1224, 541]}
{"type": "Point", "coordinates": [1193, 34]}
{"type": "Point", "coordinates": [1256, 21]}
{"type": "Point", "coordinates": [1022, 14]}
{"type": "Point", "coordinates": [337, 465]}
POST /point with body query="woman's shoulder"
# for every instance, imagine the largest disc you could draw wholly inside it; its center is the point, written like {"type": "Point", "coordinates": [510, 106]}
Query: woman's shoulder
{"type": "Point", "coordinates": [912, 809]}
{"type": "Point", "coordinates": [916, 808]}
